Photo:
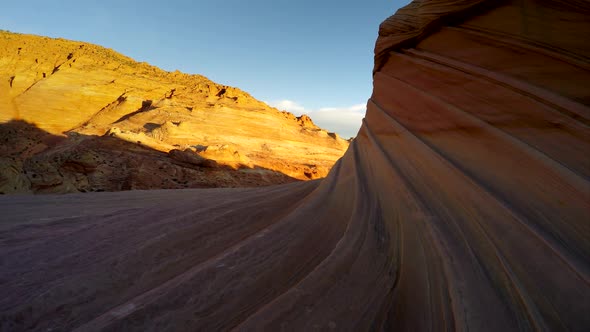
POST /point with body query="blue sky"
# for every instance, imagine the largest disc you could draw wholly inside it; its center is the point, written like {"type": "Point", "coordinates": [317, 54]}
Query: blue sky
{"type": "Point", "coordinates": [312, 57]}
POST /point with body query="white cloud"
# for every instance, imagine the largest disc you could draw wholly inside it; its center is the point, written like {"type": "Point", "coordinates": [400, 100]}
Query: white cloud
{"type": "Point", "coordinates": [345, 121]}
{"type": "Point", "coordinates": [354, 108]}
{"type": "Point", "coordinates": [346, 124]}
{"type": "Point", "coordinates": [288, 105]}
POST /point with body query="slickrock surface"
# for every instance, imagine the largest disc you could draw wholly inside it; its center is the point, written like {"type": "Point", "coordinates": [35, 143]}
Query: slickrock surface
{"type": "Point", "coordinates": [84, 92]}
{"type": "Point", "coordinates": [463, 204]}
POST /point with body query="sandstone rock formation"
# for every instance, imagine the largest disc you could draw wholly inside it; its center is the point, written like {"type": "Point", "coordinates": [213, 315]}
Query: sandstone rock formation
{"type": "Point", "coordinates": [462, 204]}
{"type": "Point", "coordinates": [83, 92]}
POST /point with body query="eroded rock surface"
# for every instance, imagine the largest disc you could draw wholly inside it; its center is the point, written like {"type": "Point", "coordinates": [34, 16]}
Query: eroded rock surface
{"type": "Point", "coordinates": [67, 88]}
{"type": "Point", "coordinates": [462, 204]}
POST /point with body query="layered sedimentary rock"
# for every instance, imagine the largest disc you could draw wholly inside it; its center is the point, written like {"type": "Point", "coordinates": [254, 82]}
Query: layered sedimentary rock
{"type": "Point", "coordinates": [463, 204]}
{"type": "Point", "coordinates": [79, 93]}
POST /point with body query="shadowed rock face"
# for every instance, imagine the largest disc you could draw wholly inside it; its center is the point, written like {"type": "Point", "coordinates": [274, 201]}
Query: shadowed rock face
{"type": "Point", "coordinates": [33, 160]}
{"type": "Point", "coordinates": [463, 204]}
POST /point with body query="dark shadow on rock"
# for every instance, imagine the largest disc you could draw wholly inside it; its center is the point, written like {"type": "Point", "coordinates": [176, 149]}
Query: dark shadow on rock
{"type": "Point", "coordinates": [35, 161]}
{"type": "Point", "coordinates": [146, 106]}
{"type": "Point", "coordinates": [151, 126]}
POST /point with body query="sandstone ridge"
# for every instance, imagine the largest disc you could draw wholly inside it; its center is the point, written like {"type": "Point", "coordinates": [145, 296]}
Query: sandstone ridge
{"type": "Point", "coordinates": [68, 88]}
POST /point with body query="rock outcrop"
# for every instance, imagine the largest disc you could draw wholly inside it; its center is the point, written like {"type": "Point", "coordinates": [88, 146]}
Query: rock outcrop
{"type": "Point", "coordinates": [68, 88]}
{"type": "Point", "coordinates": [33, 160]}
{"type": "Point", "coordinates": [462, 204]}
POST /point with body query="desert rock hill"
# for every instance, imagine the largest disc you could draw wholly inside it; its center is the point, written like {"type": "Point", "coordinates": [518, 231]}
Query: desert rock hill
{"type": "Point", "coordinates": [80, 117]}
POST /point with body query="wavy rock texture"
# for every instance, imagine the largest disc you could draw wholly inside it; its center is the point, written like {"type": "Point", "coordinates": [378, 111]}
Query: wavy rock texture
{"type": "Point", "coordinates": [85, 92]}
{"type": "Point", "coordinates": [463, 204]}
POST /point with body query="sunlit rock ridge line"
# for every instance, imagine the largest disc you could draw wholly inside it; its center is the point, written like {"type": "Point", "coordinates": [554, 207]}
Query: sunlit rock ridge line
{"type": "Point", "coordinates": [462, 204]}
{"type": "Point", "coordinates": [79, 117]}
